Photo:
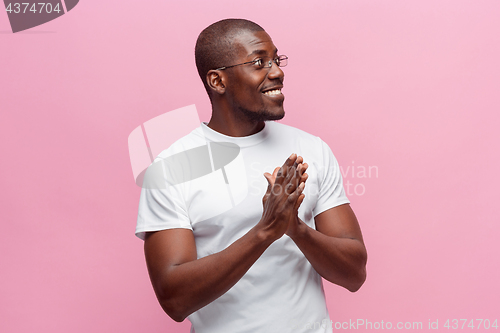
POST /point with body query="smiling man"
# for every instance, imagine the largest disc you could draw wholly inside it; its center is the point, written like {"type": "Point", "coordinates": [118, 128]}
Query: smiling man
{"type": "Point", "coordinates": [255, 266]}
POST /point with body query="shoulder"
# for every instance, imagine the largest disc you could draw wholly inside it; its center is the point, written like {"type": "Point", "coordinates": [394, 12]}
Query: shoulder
{"type": "Point", "coordinates": [192, 140]}
{"type": "Point", "coordinates": [311, 147]}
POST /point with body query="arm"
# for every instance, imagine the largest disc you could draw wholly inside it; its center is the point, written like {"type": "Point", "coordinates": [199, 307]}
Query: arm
{"type": "Point", "coordinates": [335, 249]}
{"type": "Point", "coordinates": [183, 284]}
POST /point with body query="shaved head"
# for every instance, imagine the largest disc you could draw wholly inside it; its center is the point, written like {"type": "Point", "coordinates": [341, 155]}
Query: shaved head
{"type": "Point", "coordinates": [215, 46]}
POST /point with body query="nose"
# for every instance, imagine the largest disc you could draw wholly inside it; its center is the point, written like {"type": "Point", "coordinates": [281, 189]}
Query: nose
{"type": "Point", "coordinates": [275, 72]}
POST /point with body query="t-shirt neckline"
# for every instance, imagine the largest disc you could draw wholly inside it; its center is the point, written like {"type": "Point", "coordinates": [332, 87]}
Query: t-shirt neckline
{"type": "Point", "coordinates": [244, 141]}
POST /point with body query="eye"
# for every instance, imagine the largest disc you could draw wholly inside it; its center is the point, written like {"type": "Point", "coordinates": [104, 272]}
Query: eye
{"type": "Point", "coordinates": [258, 62]}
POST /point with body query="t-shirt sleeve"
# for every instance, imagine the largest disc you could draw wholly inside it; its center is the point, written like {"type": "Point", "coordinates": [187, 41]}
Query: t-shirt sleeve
{"type": "Point", "coordinates": [161, 209]}
{"type": "Point", "coordinates": [331, 188]}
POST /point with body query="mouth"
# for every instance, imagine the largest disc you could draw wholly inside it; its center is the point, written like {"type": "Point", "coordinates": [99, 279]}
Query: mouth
{"type": "Point", "coordinates": [272, 92]}
{"type": "Point", "coordinates": [275, 91]}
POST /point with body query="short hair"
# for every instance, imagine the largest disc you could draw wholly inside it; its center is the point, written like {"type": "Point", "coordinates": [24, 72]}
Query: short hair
{"type": "Point", "coordinates": [215, 45]}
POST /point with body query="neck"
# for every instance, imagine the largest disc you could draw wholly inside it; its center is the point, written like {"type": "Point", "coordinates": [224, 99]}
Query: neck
{"type": "Point", "coordinates": [231, 123]}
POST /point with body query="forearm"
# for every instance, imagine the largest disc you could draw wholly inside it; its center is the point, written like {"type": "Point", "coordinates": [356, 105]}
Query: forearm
{"type": "Point", "coordinates": [189, 286]}
{"type": "Point", "coordinates": [339, 260]}
{"type": "Point", "coordinates": [183, 284]}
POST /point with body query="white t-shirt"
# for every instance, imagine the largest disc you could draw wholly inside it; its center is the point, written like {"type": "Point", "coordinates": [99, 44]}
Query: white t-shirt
{"type": "Point", "coordinates": [218, 195]}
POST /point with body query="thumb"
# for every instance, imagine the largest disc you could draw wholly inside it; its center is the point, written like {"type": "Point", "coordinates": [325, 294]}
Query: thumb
{"type": "Point", "coordinates": [269, 187]}
{"type": "Point", "coordinates": [268, 177]}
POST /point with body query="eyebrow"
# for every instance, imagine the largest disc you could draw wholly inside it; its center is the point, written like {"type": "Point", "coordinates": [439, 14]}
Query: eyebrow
{"type": "Point", "coordinates": [260, 52]}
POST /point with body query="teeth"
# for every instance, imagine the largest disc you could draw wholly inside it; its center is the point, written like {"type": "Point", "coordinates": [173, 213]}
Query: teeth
{"type": "Point", "coordinates": [273, 92]}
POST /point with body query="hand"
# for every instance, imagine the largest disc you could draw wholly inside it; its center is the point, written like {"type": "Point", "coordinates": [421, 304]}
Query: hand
{"type": "Point", "coordinates": [294, 224]}
{"type": "Point", "coordinates": [283, 196]}
{"type": "Point", "coordinates": [302, 167]}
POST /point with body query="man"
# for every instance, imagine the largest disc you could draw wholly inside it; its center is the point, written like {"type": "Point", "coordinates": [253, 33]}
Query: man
{"type": "Point", "coordinates": [256, 265]}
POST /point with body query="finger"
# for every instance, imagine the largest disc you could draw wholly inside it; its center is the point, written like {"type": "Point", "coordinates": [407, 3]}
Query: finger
{"type": "Point", "coordinates": [303, 167]}
{"type": "Point", "coordinates": [271, 179]}
{"type": "Point", "coordinates": [296, 178]}
{"type": "Point", "coordinates": [290, 160]}
{"type": "Point", "coordinates": [284, 169]}
{"type": "Point", "coordinates": [280, 176]}
{"type": "Point", "coordinates": [275, 172]}
{"type": "Point", "coordinates": [304, 177]}
{"type": "Point", "coordinates": [302, 170]}
{"type": "Point", "coordinates": [298, 161]}
{"type": "Point", "coordinates": [299, 201]}
{"type": "Point", "coordinates": [290, 182]}
{"type": "Point", "coordinates": [296, 194]}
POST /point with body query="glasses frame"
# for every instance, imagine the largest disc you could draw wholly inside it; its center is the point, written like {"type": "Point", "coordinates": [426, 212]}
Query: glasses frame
{"type": "Point", "coordinates": [269, 63]}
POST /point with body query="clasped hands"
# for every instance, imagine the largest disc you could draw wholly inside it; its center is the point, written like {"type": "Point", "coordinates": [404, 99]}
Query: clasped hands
{"type": "Point", "coordinates": [283, 198]}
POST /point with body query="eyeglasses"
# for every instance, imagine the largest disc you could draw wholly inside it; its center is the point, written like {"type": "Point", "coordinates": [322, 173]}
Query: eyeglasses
{"type": "Point", "coordinates": [264, 62]}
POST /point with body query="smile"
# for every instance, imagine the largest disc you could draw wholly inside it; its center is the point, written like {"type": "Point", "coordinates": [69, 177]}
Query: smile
{"type": "Point", "coordinates": [272, 92]}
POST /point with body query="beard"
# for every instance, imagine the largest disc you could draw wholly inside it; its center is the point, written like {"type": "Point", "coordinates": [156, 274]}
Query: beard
{"type": "Point", "coordinates": [257, 116]}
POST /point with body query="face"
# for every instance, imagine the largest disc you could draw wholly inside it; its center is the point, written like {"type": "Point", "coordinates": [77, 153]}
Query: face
{"type": "Point", "coordinates": [255, 93]}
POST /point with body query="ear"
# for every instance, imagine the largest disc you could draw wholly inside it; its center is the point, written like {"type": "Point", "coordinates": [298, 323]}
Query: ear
{"type": "Point", "coordinates": [216, 80]}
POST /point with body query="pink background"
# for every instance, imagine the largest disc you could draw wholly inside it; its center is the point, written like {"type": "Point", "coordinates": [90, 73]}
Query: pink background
{"type": "Point", "coordinates": [406, 86]}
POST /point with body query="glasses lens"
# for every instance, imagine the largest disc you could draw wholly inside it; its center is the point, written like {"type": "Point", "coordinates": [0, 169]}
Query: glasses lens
{"type": "Point", "coordinates": [267, 62]}
{"type": "Point", "coordinates": [282, 61]}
